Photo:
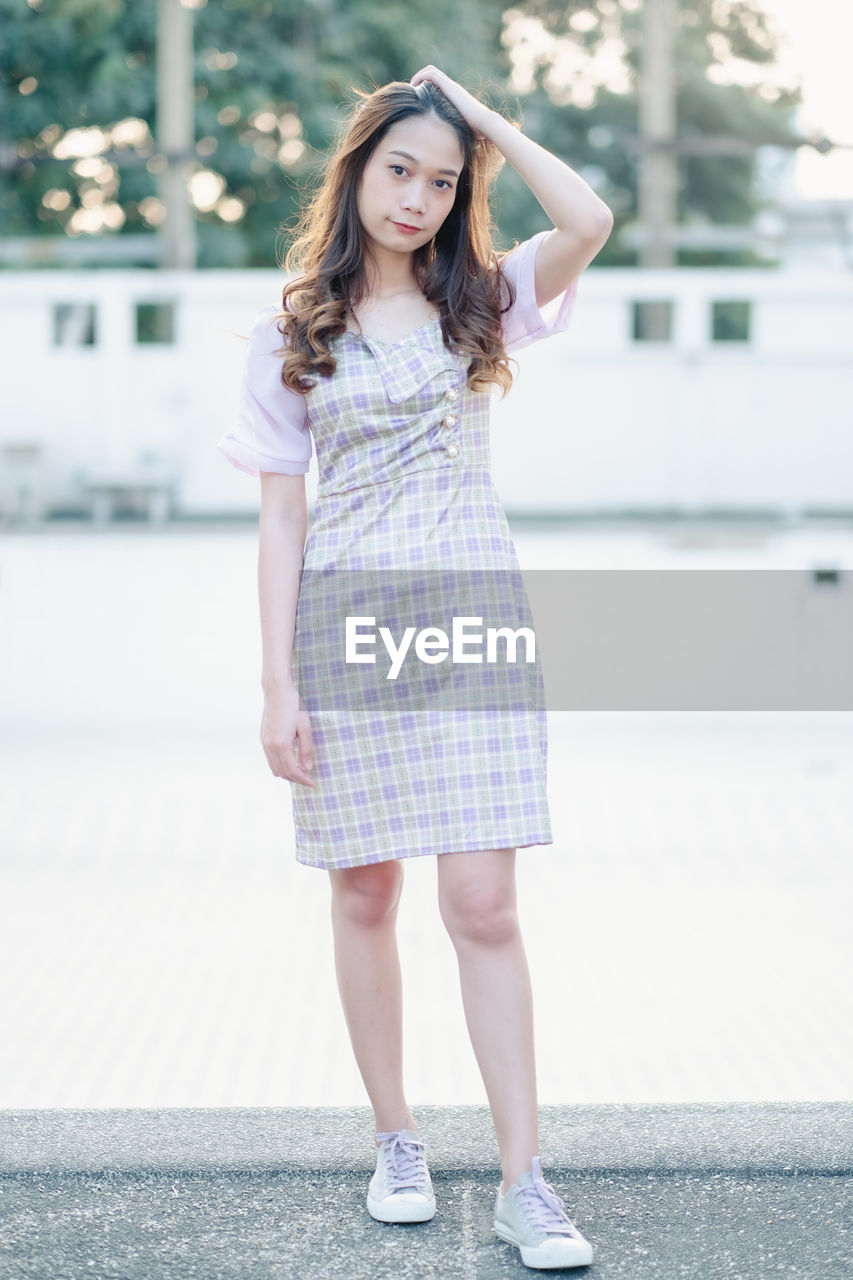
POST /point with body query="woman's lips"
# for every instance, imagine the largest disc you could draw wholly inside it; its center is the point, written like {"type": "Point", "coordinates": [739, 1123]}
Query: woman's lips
{"type": "Point", "coordinates": [402, 226]}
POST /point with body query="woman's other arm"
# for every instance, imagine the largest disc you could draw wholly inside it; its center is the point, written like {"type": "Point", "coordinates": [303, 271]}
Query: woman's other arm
{"type": "Point", "coordinates": [283, 527]}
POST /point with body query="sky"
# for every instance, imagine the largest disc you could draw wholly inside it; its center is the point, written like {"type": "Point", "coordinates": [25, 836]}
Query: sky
{"type": "Point", "coordinates": [817, 48]}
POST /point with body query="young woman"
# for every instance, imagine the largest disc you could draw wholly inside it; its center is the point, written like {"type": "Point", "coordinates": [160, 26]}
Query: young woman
{"type": "Point", "coordinates": [385, 351]}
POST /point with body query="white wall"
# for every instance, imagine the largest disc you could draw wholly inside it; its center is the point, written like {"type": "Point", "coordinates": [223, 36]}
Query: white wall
{"type": "Point", "coordinates": [595, 421]}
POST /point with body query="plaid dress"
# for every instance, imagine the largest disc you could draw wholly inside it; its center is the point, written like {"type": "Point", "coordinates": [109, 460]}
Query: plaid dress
{"type": "Point", "coordinates": [408, 530]}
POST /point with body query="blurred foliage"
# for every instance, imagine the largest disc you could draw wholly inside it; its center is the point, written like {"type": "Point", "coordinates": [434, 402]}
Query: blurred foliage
{"type": "Point", "coordinates": [592, 137]}
{"type": "Point", "coordinates": [271, 78]}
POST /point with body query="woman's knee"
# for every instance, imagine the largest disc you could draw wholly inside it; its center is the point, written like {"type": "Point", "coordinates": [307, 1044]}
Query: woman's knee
{"type": "Point", "coordinates": [479, 914]}
{"type": "Point", "coordinates": [367, 895]}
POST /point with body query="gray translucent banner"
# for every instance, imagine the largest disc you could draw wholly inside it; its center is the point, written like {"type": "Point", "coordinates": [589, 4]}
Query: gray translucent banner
{"type": "Point", "coordinates": [575, 639]}
{"type": "Point", "coordinates": [694, 639]}
{"type": "Point", "coordinates": [421, 640]}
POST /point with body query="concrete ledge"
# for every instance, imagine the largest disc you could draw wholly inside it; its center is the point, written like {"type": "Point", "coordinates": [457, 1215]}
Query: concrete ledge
{"type": "Point", "coordinates": [779, 1137]}
{"type": "Point", "coordinates": [696, 1192]}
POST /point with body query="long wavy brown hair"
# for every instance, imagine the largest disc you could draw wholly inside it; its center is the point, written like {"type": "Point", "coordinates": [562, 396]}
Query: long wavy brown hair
{"type": "Point", "coordinates": [458, 270]}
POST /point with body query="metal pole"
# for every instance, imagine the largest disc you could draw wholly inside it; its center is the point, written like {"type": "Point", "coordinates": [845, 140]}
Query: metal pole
{"type": "Point", "coordinates": [175, 132]}
{"type": "Point", "coordinates": [657, 190]}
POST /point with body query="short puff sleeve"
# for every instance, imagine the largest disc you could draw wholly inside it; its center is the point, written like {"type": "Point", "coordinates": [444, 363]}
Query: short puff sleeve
{"type": "Point", "coordinates": [271, 432]}
{"type": "Point", "coordinates": [525, 322]}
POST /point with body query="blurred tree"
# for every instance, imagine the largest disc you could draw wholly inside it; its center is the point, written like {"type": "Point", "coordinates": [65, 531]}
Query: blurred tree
{"type": "Point", "coordinates": [77, 101]}
{"type": "Point", "coordinates": [575, 65]}
{"type": "Point", "coordinates": [77, 97]}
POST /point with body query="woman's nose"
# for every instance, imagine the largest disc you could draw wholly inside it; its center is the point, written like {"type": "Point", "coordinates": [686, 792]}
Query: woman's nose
{"type": "Point", "coordinates": [414, 198]}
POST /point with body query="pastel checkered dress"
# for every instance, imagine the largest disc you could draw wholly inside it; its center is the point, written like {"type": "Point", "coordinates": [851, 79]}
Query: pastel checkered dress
{"type": "Point", "coordinates": [426, 764]}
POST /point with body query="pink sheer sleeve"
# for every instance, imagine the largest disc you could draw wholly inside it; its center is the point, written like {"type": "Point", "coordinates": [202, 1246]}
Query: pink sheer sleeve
{"type": "Point", "coordinates": [524, 322]}
{"type": "Point", "coordinates": [271, 432]}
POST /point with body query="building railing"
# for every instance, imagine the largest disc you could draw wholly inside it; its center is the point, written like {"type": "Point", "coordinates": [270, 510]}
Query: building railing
{"type": "Point", "coordinates": [687, 390]}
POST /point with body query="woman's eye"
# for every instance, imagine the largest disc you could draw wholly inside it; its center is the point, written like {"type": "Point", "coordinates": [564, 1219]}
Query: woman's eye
{"type": "Point", "coordinates": [445, 182]}
{"type": "Point", "coordinates": [398, 166]}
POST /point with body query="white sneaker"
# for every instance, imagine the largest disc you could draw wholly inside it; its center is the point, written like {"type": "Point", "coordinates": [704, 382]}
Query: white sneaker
{"type": "Point", "coordinates": [532, 1216]}
{"type": "Point", "coordinates": [401, 1188]}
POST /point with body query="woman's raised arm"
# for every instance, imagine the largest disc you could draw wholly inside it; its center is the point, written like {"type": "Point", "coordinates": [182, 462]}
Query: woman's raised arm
{"type": "Point", "coordinates": [582, 221]}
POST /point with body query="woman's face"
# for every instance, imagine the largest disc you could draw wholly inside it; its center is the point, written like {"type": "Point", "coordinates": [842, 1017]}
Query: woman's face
{"type": "Point", "coordinates": [409, 181]}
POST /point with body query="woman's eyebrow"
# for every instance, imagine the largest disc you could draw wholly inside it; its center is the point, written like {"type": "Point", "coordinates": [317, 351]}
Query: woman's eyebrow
{"type": "Point", "coordinates": [395, 152]}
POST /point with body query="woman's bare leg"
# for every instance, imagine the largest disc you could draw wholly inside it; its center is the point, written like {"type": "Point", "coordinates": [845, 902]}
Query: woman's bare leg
{"type": "Point", "coordinates": [367, 964]}
{"type": "Point", "coordinates": [477, 900]}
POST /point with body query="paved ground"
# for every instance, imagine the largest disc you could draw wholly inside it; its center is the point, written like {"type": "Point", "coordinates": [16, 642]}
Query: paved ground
{"type": "Point", "coordinates": [706, 1191]}
{"type": "Point", "coordinates": [688, 931]}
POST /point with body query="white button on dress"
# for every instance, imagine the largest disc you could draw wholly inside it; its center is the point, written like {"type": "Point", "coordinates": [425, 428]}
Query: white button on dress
{"type": "Point", "coordinates": [452, 450]}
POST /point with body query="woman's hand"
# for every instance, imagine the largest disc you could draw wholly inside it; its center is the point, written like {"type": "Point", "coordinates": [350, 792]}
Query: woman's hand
{"type": "Point", "coordinates": [476, 114]}
{"type": "Point", "coordinates": [283, 727]}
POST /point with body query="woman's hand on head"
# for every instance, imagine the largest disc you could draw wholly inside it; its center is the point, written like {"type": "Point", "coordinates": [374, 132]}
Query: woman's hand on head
{"type": "Point", "coordinates": [474, 113]}
{"type": "Point", "coordinates": [283, 727]}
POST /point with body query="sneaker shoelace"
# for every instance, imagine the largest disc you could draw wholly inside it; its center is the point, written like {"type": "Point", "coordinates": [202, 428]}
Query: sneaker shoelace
{"type": "Point", "coordinates": [405, 1164]}
{"type": "Point", "coordinates": [544, 1208]}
